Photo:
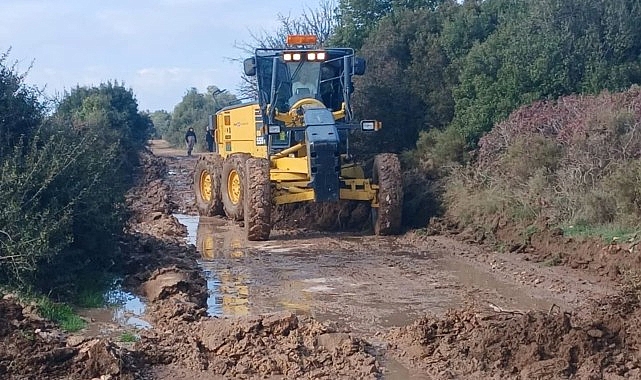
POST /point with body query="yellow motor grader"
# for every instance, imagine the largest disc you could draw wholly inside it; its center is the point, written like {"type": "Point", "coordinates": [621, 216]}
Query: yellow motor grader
{"type": "Point", "coordinates": [292, 145]}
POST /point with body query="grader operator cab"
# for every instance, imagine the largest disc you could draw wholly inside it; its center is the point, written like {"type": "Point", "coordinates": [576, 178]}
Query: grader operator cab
{"type": "Point", "coordinates": [292, 145]}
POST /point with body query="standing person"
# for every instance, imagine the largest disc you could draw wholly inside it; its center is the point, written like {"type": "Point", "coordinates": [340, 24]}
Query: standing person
{"type": "Point", "coordinates": [190, 140]}
{"type": "Point", "coordinates": [210, 140]}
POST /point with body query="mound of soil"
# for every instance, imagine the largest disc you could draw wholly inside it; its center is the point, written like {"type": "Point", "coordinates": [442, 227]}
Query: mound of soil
{"type": "Point", "coordinates": [261, 346]}
{"type": "Point", "coordinates": [598, 343]}
{"type": "Point", "coordinates": [32, 348]}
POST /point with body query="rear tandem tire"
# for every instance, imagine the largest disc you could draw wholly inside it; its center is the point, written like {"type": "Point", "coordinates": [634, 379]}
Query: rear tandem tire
{"type": "Point", "coordinates": [387, 175]}
{"type": "Point", "coordinates": [258, 199]}
{"type": "Point", "coordinates": [207, 185]}
{"type": "Point", "coordinates": [233, 185]}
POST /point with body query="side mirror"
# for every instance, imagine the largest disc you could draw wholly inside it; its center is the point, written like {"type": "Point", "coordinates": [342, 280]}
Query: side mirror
{"type": "Point", "coordinates": [359, 66]}
{"type": "Point", "coordinates": [250, 66]}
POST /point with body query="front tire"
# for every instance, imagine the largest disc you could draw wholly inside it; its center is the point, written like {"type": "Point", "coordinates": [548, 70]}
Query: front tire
{"type": "Point", "coordinates": [207, 185]}
{"type": "Point", "coordinates": [387, 175]}
{"type": "Point", "coordinates": [233, 185]}
{"type": "Point", "coordinates": [258, 199]}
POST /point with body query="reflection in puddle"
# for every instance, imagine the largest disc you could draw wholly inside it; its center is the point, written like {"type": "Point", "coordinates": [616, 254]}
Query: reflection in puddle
{"type": "Point", "coordinates": [228, 287]}
{"type": "Point", "coordinates": [127, 308]}
{"type": "Point", "coordinates": [122, 308]}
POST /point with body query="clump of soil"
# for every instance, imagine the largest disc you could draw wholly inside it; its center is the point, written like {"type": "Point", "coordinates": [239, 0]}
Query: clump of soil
{"type": "Point", "coordinates": [261, 346]}
{"type": "Point", "coordinates": [598, 343]}
{"type": "Point", "coordinates": [32, 348]}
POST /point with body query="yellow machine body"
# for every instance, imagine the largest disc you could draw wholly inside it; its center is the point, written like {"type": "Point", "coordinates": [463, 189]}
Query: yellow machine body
{"type": "Point", "coordinates": [240, 129]}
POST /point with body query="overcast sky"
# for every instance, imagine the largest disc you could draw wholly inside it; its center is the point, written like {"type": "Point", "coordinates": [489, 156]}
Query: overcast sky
{"type": "Point", "coordinates": [159, 48]}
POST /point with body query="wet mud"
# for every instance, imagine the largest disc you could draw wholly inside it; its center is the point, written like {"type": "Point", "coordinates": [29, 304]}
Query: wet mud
{"type": "Point", "coordinates": [319, 304]}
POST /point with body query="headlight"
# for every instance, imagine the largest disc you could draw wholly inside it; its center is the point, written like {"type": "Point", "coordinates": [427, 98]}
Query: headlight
{"type": "Point", "coordinates": [274, 128]}
{"type": "Point", "coordinates": [368, 125]}
{"type": "Point", "coordinates": [287, 57]}
{"type": "Point", "coordinates": [296, 56]}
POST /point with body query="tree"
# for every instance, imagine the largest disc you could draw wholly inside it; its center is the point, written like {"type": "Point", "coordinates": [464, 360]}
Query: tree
{"type": "Point", "coordinates": [63, 184]}
{"type": "Point", "coordinates": [21, 112]}
{"type": "Point", "coordinates": [544, 50]}
{"type": "Point", "coordinates": [357, 18]}
{"type": "Point", "coordinates": [193, 112]}
{"type": "Point", "coordinates": [162, 122]}
{"type": "Point", "coordinates": [320, 22]}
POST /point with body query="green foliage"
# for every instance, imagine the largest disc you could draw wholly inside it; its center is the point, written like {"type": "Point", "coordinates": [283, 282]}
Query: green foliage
{"type": "Point", "coordinates": [129, 337]}
{"type": "Point", "coordinates": [385, 93]}
{"type": "Point", "coordinates": [63, 182]}
{"type": "Point", "coordinates": [436, 148]}
{"type": "Point", "coordinates": [162, 123]}
{"type": "Point", "coordinates": [571, 162]}
{"type": "Point", "coordinates": [62, 314]}
{"type": "Point", "coordinates": [546, 50]}
{"type": "Point", "coordinates": [110, 112]}
{"type": "Point", "coordinates": [607, 232]}
{"type": "Point", "coordinates": [193, 112]}
{"type": "Point", "coordinates": [21, 112]}
{"type": "Point", "coordinates": [357, 18]}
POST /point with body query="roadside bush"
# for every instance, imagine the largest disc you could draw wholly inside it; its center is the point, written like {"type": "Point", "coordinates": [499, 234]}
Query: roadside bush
{"type": "Point", "coordinates": [572, 161]}
{"type": "Point", "coordinates": [62, 183]}
{"type": "Point", "coordinates": [440, 148]}
{"type": "Point", "coordinates": [21, 112]}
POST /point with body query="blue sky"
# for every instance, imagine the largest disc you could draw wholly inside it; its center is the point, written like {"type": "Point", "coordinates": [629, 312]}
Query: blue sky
{"type": "Point", "coordinates": [159, 48]}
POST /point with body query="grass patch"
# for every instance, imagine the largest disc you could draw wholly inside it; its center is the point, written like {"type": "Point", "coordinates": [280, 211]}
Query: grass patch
{"type": "Point", "coordinates": [90, 298]}
{"type": "Point", "coordinates": [62, 314]}
{"type": "Point", "coordinates": [608, 233]}
{"type": "Point", "coordinates": [129, 337]}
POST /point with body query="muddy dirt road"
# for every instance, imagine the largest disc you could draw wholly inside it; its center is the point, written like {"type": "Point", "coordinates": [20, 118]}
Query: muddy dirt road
{"type": "Point", "coordinates": [362, 283]}
{"type": "Point", "coordinates": [201, 302]}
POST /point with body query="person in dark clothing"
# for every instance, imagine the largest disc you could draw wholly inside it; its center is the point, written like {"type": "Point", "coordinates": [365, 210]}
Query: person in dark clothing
{"type": "Point", "coordinates": [210, 140]}
{"type": "Point", "coordinates": [190, 140]}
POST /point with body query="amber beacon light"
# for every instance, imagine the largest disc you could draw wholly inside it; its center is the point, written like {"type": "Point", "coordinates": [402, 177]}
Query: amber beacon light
{"type": "Point", "coordinates": [301, 39]}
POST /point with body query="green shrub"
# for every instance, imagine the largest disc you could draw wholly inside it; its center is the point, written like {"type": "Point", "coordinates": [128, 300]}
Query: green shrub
{"type": "Point", "coordinates": [436, 148]}
{"type": "Point", "coordinates": [62, 183]}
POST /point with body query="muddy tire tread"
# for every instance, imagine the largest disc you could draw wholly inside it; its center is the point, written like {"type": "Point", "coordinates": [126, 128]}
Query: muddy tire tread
{"type": "Point", "coordinates": [213, 165]}
{"type": "Point", "coordinates": [236, 162]}
{"type": "Point", "coordinates": [258, 201]}
{"type": "Point", "coordinates": [387, 174]}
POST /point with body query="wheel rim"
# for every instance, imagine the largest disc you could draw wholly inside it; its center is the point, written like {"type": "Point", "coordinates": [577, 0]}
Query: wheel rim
{"type": "Point", "coordinates": [205, 185]}
{"type": "Point", "coordinates": [233, 187]}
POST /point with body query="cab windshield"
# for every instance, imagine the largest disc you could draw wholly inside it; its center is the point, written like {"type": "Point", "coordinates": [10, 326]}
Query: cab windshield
{"type": "Point", "coordinates": [295, 80]}
{"type": "Point", "coordinates": [304, 80]}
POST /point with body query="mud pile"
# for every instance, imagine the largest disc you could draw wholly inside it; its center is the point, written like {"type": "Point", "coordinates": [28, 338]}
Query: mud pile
{"type": "Point", "coordinates": [32, 348]}
{"type": "Point", "coordinates": [260, 346]}
{"type": "Point", "coordinates": [598, 343]}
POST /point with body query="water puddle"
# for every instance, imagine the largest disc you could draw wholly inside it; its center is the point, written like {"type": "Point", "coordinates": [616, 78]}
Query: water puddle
{"type": "Point", "coordinates": [227, 285]}
{"type": "Point", "coordinates": [507, 295]}
{"type": "Point", "coordinates": [129, 309]}
{"type": "Point", "coordinates": [123, 310]}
